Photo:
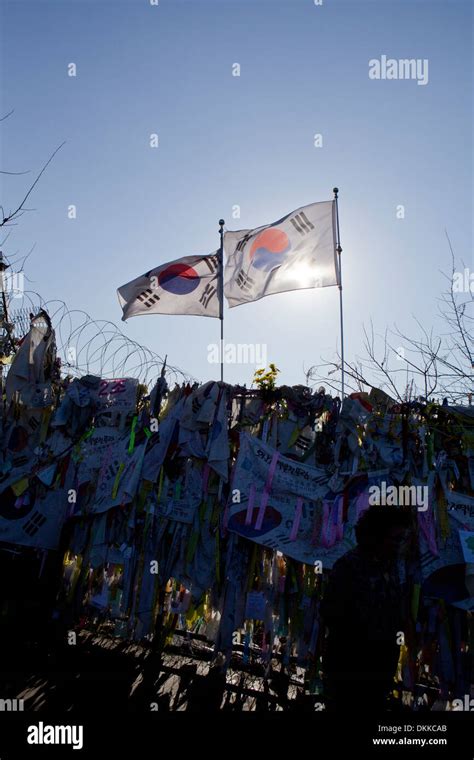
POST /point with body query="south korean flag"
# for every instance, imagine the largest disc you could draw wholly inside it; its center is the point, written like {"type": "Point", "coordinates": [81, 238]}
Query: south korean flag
{"type": "Point", "coordinates": [294, 253]}
{"type": "Point", "coordinates": [189, 285]}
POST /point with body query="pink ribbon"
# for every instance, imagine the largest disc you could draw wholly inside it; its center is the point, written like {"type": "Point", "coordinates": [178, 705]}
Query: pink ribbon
{"type": "Point", "coordinates": [296, 521]}
{"type": "Point", "coordinates": [266, 491]}
{"type": "Point", "coordinates": [324, 527]}
{"type": "Point", "coordinates": [332, 528]}
{"type": "Point", "coordinates": [250, 505]}
{"type": "Point", "coordinates": [425, 521]}
{"type": "Point", "coordinates": [261, 511]}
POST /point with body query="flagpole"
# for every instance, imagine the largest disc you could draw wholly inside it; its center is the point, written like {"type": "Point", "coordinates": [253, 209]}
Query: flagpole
{"type": "Point", "coordinates": [221, 294]}
{"type": "Point", "coordinates": [339, 251]}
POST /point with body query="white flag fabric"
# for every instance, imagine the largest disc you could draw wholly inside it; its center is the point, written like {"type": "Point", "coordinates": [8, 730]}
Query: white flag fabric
{"type": "Point", "coordinates": [186, 286]}
{"type": "Point", "coordinates": [296, 252]}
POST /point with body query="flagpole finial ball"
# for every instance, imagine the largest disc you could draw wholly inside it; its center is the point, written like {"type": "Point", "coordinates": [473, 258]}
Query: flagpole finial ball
{"type": "Point", "coordinates": [221, 222]}
{"type": "Point", "coordinates": [335, 190]}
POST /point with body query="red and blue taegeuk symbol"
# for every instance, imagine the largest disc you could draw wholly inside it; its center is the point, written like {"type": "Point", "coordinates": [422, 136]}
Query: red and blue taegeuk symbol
{"type": "Point", "coordinates": [269, 249]}
{"type": "Point", "coordinates": [178, 279]}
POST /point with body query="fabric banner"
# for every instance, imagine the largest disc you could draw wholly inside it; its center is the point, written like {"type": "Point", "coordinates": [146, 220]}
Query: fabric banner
{"type": "Point", "coordinates": [93, 451]}
{"type": "Point", "coordinates": [159, 445]}
{"type": "Point", "coordinates": [27, 368]}
{"type": "Point", "coordinates": [218, 451]}
{"type": "Point", "coordinates": [119, 395]}
{"type": "Point", "coordinates": [180, 501]}
{"type": "Point", "coordinates": [30, 521]}
{"type": "Point", "coordinates": [449, 551]}
{"type": "Point", "coordinates": [294, 253]}
{"type": "Point", "coordinates": [120, 475]}
{"type": "Point", "coordinates": [253, 465]}
{"type": "Point", "coordinates": [287, 506]}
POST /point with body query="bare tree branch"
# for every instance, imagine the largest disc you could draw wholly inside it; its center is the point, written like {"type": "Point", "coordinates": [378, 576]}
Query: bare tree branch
{"type": "Point", "coordinates": [7, 115]}
{"type": "Point", "coordinates": [14, 214]}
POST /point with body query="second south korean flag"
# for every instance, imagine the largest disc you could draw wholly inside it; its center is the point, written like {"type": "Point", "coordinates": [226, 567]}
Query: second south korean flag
{"type": "Point", "coordinates": [294, 253]}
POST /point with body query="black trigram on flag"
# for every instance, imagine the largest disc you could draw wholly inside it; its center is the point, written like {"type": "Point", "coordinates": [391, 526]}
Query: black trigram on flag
{"type": "Point", "coordinates": [242, 243]}
{"type": "Point", "coordinates": [303, 442]}
{"type": "Point", "coordinates": [208, 293]}
{"type": "Point", "coordinates": [36, 521]}
{"type": "Point", "coordinates": [148, 298]}
{"type": "Point", "coordinates": [301, 223]}
{"type": "Point", "coordinates": [212, 262]}
{"type": "Point", "coordinates": [244, 281]}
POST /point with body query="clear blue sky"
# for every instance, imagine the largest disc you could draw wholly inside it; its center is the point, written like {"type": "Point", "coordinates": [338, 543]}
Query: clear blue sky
{"type": "Point", "coordinates": [244, 140]}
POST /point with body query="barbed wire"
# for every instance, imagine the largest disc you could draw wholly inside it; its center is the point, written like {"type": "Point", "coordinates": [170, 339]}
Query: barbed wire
{"type": "Point", "coordinates": [93, 346]}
